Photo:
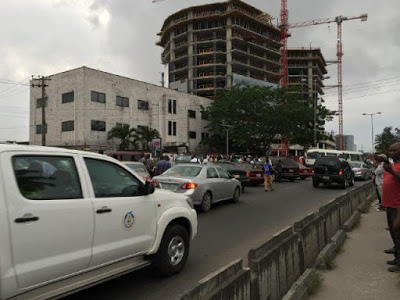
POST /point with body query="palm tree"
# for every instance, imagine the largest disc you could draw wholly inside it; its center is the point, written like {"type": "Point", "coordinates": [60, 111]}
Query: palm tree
{"type": "Point", "coordinates": [124, 134]}
{"type": "Point", "coordinates": [146, 135]}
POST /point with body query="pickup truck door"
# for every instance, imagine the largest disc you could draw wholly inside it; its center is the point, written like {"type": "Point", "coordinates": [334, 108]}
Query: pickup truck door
{"type": "Point", "coordinates": [125, 218]}
{"type": "Point", "coordinates": [50, 216]}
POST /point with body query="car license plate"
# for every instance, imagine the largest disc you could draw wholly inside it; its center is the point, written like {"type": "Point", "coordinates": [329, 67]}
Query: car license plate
{"type": "Point", "coordinates": [236, 176]}
{"type": "Point", "coordinates": [258, 175]}
{"type": "Point", "coordinates": [170, 187]}
{"type": "Point", "coordinates": [290, 170]}
{"type": "Point", "coordinates": [325, 177]}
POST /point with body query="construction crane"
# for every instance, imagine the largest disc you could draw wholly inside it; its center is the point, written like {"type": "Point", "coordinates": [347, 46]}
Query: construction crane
{"type": "Point", "coordinates": [285, 26]}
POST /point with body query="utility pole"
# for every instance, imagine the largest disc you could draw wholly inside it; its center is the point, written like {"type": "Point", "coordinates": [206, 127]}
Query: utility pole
{"type": "Point", "coordinates": [372, 129]}
{"type": "Point", "coordinates": [42, 83]}
{"type": "Point", "coordinates": [226, 127]}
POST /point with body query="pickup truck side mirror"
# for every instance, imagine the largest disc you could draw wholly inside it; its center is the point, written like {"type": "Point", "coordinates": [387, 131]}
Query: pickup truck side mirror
{"type": "Point", "coordinates": [149, 188]}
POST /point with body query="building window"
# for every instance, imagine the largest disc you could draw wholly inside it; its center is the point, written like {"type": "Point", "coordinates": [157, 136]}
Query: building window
{"type": "Point", "coordinates": [171, 128]}
{"type": "Point", "coordinates": [98, 97]}
{"type": "Point", "coordinates": [67, 97]}
{"type": "Point", "coordinates": [141, 104]}
{"type": "Point", "coordinates": [67, 126]}
{"type": "Point", "coordinates": [204, 135]}
{"type": "Point", "coordinates": [120, 125]}
{"type": "Point", "coordinates": [39, 128]}
{"type": "Point", "coordinates": [122, 101]}
{"type": "Point", "coordinates": [41, 102]}
{"type": "Point", "coordinates": [98, 125]}
{"type": "Point", "coordinates": [192, 114]}
{"type": "Point", "coordinates": [172, 106]}
{"type": "Point", "coordinates": [192, 134]}
{"type": "Point", "coordinates": [204, 115]}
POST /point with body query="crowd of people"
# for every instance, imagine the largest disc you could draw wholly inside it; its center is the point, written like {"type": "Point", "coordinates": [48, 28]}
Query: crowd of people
{"type": "Point", "coordinates": [387, 181]}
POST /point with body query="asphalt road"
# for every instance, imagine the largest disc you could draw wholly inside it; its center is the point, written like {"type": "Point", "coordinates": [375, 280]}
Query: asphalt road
{"type": "Point", "coordinates": [225, 233]}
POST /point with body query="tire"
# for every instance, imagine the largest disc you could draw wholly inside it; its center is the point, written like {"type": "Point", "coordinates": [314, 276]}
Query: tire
{"type": "Point", "coordinates": [206, 202]}
{"type": "Point", "coordinates": [292, 179]}
{"type": "Point", "coordinates": [351, 183]}
{"type": "Point", "coordinates": [344, 184]}
{"type": "Point", "coordinates": [236, 195]}
{"type": "Point", "coordinates": [173, 251]}
{"type": "Point", "coordinates": [315, 184]}
{"type": "Point", "coordinates": [302, 177]}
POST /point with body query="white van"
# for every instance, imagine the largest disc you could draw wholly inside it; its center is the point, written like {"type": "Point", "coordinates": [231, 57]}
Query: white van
{"type": "Point", "coordinates": [353, 156]}
{"type": "Point", "coordinates": [313, 154]}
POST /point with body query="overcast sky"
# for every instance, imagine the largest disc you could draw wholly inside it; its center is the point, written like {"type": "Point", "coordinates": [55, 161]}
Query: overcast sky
{"type": "Point", "coordinates": [44, 37]}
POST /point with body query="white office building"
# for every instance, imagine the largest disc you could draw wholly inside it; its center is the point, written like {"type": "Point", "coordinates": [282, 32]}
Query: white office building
{"type": "Point", "coordinates": [83, 104]}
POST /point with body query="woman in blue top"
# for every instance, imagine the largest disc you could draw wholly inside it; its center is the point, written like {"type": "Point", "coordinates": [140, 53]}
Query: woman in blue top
{"type": "Point", "coordinates": [268, 170]}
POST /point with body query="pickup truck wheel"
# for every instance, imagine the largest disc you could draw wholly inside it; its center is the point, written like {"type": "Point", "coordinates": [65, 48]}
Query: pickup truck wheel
{"type": "Point", "coordinates": [173, 251]}
{"type": "Point", "coordinates": [292, 179]}
{"type": "Point", "coordinates": [315, 184]}
{"type": "Point", "coordinates": [206, 202]}
{"type": "Point", "coordinates": [236, 195]}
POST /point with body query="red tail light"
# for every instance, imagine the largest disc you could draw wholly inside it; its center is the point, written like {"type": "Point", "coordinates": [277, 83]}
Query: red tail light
{"type": "Point", "coordinates": [189, 186]}
{"type": "Point", "coordinates": [312, 171]}
{"type": "Point", "coordinates": [247, 175]}
{"type": "Point", "coordinates": [154, 183]}
{"type": "Point", "coordinates": [341, 172]}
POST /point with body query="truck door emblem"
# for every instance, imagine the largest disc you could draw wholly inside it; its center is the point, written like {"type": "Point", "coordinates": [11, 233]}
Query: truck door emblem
{"type": "Point", "coordinates": [129, 219]}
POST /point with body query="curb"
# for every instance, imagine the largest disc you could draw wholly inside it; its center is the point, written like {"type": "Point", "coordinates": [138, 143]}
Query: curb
{"type": "Point", "coordinates": [299, 289]}
{"type": "Point", "coordinates": [354, 219]}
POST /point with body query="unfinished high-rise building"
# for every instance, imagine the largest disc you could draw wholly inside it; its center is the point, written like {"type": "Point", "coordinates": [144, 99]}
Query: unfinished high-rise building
{"type": "Point", "coordinates": [307, 70]}
{"type": "Point", "coordinates": [209, 48]}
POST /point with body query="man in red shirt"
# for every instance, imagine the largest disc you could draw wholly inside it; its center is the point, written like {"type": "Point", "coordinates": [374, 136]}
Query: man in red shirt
{"type": "Point", "coordinates": [391, 200]}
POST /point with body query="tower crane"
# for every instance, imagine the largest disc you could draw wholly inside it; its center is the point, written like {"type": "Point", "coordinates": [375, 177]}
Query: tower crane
{"type": "Point", "coordinates": [285, 26]}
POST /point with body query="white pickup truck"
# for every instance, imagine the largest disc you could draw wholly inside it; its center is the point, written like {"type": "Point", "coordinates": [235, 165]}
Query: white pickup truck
{"type": "Point", "coordinates": [73, 219]}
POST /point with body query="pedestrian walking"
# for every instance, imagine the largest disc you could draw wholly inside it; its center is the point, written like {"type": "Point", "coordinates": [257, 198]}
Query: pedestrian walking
{"type": "Point", "coordinates": [149, 164]}
{"type": "Point", "coordinates": [268, 170]}
{"type": "Point", "coordinates": [379, 159]}
{"type": "Point", "coordinates": [163, 165]}
{"type": "Point", "coordinates": [391, 200]}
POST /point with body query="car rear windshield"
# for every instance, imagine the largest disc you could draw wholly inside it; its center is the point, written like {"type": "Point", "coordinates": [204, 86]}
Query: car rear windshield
{"type": "Point", "coordinates": [183, 171]}
{"type": "Point", "coordinates": [184, 158]}
{"type": "Point", "coordinates": [228, 167]}
{"type": "Point", "coordinates": [137, 168]}
{"type": "Point", "coordinates": [355, 165]}
{"type": "Point", "coordinates": [329, 162]}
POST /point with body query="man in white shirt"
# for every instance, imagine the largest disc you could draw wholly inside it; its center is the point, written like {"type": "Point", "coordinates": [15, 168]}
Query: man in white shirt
{"type": "Point", "coordinates": [380, 158]}
{"type": "Point", "coordinates": [195, 159]}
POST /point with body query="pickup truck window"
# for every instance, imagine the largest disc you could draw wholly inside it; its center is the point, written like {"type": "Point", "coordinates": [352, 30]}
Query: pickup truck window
{"type": "Point", "coordinates": [110, 180]}
{"type": "Point", "coordinates": [47, 177]}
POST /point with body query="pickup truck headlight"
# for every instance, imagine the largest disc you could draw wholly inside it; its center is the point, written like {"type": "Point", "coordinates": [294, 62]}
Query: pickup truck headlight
{"type": "Point", "coordinates": [190, 202]}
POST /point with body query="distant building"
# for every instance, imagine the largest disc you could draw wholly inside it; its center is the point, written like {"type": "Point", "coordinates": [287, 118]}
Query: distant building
{"type": "Point", "coordinates": [306, 69]}
{"type": "Point", "coordinates": [83, 104]}
{"type": "Point", "coordinates": [348, 142]}
{"type": "Point", "coordinates": [212, 47]}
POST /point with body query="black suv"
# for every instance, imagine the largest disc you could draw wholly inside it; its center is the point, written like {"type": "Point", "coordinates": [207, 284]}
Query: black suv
{"type": "Point", "coordinates": [331, 169]}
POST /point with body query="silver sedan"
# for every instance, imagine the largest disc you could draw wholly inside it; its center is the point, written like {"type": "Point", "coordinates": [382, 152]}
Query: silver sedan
{"type": "Point", "coordinates": [361, 170]}
{"type": "Point", "coordinates": [203, 184]}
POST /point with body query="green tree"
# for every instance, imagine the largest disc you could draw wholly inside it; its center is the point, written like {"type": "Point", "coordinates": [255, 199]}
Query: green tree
{"type": "Point", "coordinates": [257, 116]}
{"type": "Point", "coordinates": [145, 135]}
{"type": "Point", "coordinates": [388, 137]}
{"type": "Point", "coordinates": [124, 134]}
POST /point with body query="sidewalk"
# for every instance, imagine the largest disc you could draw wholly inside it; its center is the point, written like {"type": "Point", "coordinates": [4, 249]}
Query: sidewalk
{"type": "Point", "coordinates": [360, 270]}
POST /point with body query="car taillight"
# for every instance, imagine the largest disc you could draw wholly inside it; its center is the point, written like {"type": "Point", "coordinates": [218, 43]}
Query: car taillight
{"type": "Point", "coordinates": [247, 175]}
{"type": "Point", "coordinates": [155, 183]}
{"type": "Point", "coordinates": [312, 171]}
{"type": "Point", "coordinates": [189, 186]}
{"type": "Point", "coordinates": [341, 172]}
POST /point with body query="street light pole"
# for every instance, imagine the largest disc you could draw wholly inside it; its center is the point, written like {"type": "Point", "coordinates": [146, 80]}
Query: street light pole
{"type": "Point", "coordinates": [372, 129]}
{"type": "Point", "coordinates": [226, 127]}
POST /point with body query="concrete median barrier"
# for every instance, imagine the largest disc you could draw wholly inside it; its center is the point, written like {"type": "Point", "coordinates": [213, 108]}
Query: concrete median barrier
{"type": "Point", "coordinates": [229, 282]}
{"type": "Point", "coordinates": [275, 265]}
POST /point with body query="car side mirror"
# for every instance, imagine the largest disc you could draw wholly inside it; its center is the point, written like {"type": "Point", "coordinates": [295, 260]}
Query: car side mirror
{"type": "Point", "coordinates": [149, 188]}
